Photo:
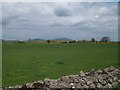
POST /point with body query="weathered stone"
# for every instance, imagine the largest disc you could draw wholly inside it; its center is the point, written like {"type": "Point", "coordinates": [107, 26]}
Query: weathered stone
{"type": "Point", "coordinates": [110, 80]}
{"type": "Point", "coordinates": [65, 85]}
{"type": "Point", "coordinates": [73, 87]}
{"type": "Point", "coordinates": [76, 80]}
{"type": "Point", "coordinates": [78, 85]}
{"type": "Point", "coordinates": [40, 81]}
{"type": "Point", "coordinates": [18, 86]}
{"type": "Point", "coordinates": [109, 85]}
{"type": "Point", "coordinates": [106, 70]}
{"type": "Point", "coordinates": [89, 82]}
{"type": "Point", "coordinates": [93, 70]}
{"type": "Point", "coordinates": [115, 79]}
{"type": "Point", "coordinates": [10, 87]}
{"type": "Point", "coordinates": [87, 73]}
{"type": "Point", "coordinates": [100, 71]}
{"type": "Point", "coordinates": [105, 76]}
{"type": "Point", "coordinates": [24, 86]}
{"type": "Point", "coordinates": [99, 85]}
{"type": "Point", "coordinates": [111, 68]}
{"type": "Point", "coordinates": [82, 74]}
{"type": "Point", "coordinates": [95, 80]}
{"type": "Point", "coordinates": [54, 86]}
{"type": "Point", "coordinates": [100, 79]}
{"type": "Point", "coordinates": [29, 85]}
{"type": "Point", "coordinates": [38, 85]}
{"type": "Point", "coordinates": [82, 82]}
{"type": "Point", "coordinates": [109, 74]}
{"type": "Point", "coordinates": [114, 84]}
{"type": "Point", "coordinates": [92, 85]}
{"type": "Point", "coordinates": [65, 79]}
{"type": "Point", "coordinates": [46, 79]}
{"type": "Point", "coordinates": [106, 86]}
{"type": "Point", "coordinates": [118, 80]}
{"type": "Point", "coordinates": [71, 84]}
{"type": "Point", "coordinates": [85, 86]}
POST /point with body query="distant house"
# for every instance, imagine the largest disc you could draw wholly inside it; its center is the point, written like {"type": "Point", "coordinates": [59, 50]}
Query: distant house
{"type": "Point", "coordinates": [105, 39]}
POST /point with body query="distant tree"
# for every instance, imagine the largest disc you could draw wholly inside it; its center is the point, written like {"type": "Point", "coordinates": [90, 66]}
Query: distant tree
{"type": "Point", "coordinates": [20, 41]}
{"type": "Point", "coordinates": [105, 39]}
{"type": "Point", "coordinates": [48, 41]}
{"type": "Point", "coordinates": [93, 40]}
{"type": "Point", "coordinates": [84, 41]}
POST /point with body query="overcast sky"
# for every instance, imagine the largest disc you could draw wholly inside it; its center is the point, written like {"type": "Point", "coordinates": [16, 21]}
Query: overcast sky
{"type": "Point", "coordinates": [75, 20]}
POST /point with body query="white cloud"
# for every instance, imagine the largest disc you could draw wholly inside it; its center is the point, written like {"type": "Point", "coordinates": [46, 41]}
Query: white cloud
{"type": "Point", "coordinates": [59, 0]}
{"type": "Point", "coordinates": [92, 16]}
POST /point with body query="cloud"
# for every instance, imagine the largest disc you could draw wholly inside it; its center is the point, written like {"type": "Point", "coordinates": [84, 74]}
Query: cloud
{"type": "Point", "coordinates": [63, 11]}
{"type": "Point", "coordinates": [60, 1]}
{"type": "Point", "coordinates": [86, 19]}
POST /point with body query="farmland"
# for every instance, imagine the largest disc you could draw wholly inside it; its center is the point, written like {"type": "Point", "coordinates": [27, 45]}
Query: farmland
{"type": "Point", "coordinates": [0, 65]}
{"type": "Point", "coordinates": [30, 62]}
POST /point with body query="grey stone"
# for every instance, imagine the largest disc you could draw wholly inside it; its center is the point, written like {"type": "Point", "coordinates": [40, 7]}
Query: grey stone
{"type": "Point", "coordinates": [89, 82]}
{"type": "Point", "coordinates": [93, 70]}
{"type": "Point", "coordinates": [85, 86]}
{"type": "Point", "coordinates": [110, 80]}
{"type": "Point", "coordinates": [78, 85]}
{"type": "Point", "coordinates": [24, 87]}
{"type": "Point", "coordinates": [65, 85]}
{"type": "Point", "coordinates": [29, 85]}
{"type": "Point", "coordinates": [82, 82]}
{"type": "Point", "coordinates": [106, 70]}
{"type": "Point", "coordinates": [110, 74]}
{"type": "Point", "coordinates": [92, 85]}
{"type": "Point", "coordinates": [82, 74]}
{"type": "Point", "coordinates": [114, 84]}
{"type": "Point", "coordinates": [112, 68]}
{"type": "Point", "coordinates": [56, 86]}
{"type": "Point", "coordinates": [71, 84]}
{"type": "Point", "coordinates": [118, 80]}
{"type": "Point", "coordinates": [100, 71]}
{"type": "Point", "coordinates": [65, 79]}
{"type": "Point", "coordinates": [109, 85]}
{"type": "Point", "coordinates": [105, 76]}
{"type": "Point", "coordinates": [10, 87]}
{"type": "Point", "coordinates": [106, 86]}
{"type": "Point", "coordinates": [38, 85]}
{"type": "Point", "coordinates": [99, 85]}
{"type": "Point", "coordinates": [100, 79]}
{"type": "Point", "coordinates": [95, 80]}
{"type": "Point", "coordinates": [46, 79]}
{"type": "Point", "coordinates": [18, 86]}
{"type": "Point", "coordinates": [115, 79]}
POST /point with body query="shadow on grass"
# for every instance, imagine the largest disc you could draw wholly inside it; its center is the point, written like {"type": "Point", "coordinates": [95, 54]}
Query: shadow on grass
{"type": "Point", "coordinates": [60, 62]}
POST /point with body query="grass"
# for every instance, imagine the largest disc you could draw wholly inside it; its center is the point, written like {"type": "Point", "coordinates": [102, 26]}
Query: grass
{"type": "Point", "coordinates": [0, 65]}
{"type": "Point", "coordinates": [24, 63]}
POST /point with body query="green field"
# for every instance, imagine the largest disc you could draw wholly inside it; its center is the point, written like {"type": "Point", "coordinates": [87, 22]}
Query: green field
{"type": "Point", "coordinates": [29, 62]}
{"type": "Point", "coordinates": [0, 64]}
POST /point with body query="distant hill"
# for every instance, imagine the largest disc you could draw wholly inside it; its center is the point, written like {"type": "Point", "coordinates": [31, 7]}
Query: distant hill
{"type": "Point", "coordinates": [0, 40]}
{"type": "Point", "coordinates": [38, 39]}
{"type": "Point", "coordinates": [62, 39]}
{"type": "Point", "coordinates": [10, 40]}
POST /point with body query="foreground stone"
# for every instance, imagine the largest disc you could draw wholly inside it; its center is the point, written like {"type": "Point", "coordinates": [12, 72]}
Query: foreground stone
{"type": "Point", "coordinates": [106, 78]}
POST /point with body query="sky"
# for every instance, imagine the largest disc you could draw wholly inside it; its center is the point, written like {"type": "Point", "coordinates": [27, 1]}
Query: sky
{"type": "Point", "coordinates": [50, 20]}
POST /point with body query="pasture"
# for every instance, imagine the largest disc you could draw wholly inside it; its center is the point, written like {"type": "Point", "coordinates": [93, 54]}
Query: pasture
{"type": "Point", "coordinates": [24, 63]}
{"type": "Point", "coordinates": [0, 64]}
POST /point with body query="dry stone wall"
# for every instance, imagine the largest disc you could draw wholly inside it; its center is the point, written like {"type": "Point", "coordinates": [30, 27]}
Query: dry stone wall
{"type": "Point", "coordinates": [106, 78]}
